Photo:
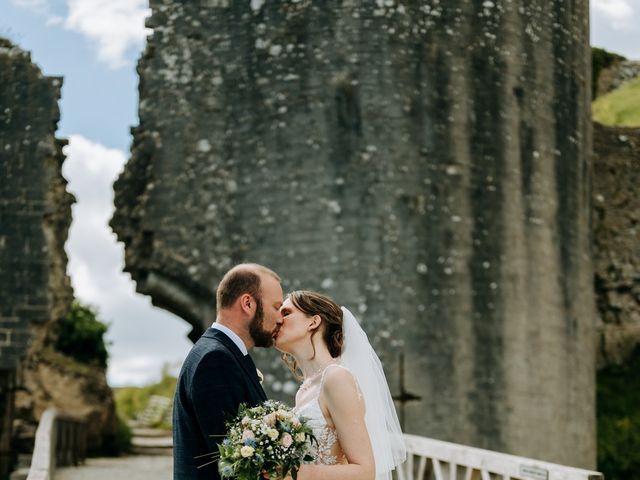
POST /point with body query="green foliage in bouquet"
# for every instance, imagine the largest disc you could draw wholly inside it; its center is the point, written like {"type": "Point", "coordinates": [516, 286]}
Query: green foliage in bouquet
{"type": "Point", "coordinates": [81, 336]}
{"type": "Point", "coordinates": [619, 420]}
{"type": "Point", "coordinates": [269, 438]}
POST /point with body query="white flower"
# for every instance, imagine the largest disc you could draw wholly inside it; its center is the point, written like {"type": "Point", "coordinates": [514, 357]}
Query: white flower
{"type": "Point", "coordinates": [246, 451]}
{"type": "Point", "coordinates": [300, 437]}
{"type": "Point", "coordinates": [273, 434]}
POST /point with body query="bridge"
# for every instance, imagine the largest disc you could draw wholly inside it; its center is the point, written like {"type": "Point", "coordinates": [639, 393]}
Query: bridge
{"type": "Point", "coordinates": [59, 445]}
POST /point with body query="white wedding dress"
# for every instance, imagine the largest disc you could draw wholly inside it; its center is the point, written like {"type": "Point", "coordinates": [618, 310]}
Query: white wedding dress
{"type": "Point", "coordinates": [328, 450]}
{"type": "Point", "coordinates": [385, 434]}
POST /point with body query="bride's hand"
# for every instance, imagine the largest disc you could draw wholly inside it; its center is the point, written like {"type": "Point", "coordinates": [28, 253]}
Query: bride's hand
{"type": "Point", "coordinates": [265, 474]}
{"type": "Point", "coordinates": [278, 476]}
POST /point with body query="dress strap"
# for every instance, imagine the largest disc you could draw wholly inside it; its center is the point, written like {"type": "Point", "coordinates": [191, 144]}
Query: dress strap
{"type": "Point", "coordinates": [343, 367]}
{"type": "Point", "coordinates": [327, 368]}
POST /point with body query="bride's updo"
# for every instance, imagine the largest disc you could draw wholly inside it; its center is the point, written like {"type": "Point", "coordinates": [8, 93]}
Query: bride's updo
{"type": "Point", "coordinates": [313, 303]}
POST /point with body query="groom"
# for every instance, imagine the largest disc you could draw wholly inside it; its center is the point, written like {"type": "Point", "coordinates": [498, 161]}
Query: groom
{"type": "Point", "coordinates": [218, 373]}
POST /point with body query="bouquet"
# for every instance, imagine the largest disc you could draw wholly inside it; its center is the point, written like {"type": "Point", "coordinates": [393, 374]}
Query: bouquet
{"type": "Point", "coordinates": [267, 439]}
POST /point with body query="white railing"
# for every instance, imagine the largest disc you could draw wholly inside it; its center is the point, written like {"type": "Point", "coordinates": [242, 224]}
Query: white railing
{"type": "Point", "coordinates": [429, 459]}
{"type": "Point", "coordinates": [60, 440]}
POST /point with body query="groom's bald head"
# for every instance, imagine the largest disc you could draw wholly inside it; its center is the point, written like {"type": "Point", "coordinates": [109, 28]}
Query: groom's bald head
{"type": "Point", "coordinates": [241, 279]}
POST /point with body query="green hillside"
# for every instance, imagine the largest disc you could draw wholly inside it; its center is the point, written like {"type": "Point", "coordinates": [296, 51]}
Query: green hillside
{"type": "Point", "coordinates": [131, 401]}
{"type": "Point", "coordinates": [620, 107]}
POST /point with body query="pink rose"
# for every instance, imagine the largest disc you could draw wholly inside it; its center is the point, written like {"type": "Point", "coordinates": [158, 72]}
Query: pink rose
{"type": "Point", "coordinates": [287, 440]}
{"type": "Point", "coordinates": [247, 434]}
{"type": "Point", "coordinates": [270, 419]}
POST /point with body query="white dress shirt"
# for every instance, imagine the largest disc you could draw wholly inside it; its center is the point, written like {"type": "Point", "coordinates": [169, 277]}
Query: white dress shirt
{"type": "Point", "coordinates": [232, 335]}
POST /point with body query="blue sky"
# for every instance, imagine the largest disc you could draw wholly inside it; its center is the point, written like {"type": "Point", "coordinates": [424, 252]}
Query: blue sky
{"type": "Point", "coordinates": [94, 45]}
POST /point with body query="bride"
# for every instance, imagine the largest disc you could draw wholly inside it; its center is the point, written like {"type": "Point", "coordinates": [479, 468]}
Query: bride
{"type": "Point", "coordinates": [344, 393]}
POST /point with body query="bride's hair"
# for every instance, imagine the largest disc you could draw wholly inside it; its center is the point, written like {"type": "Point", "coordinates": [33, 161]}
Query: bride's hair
{"type": "Point", "coordinates": [313, 303]}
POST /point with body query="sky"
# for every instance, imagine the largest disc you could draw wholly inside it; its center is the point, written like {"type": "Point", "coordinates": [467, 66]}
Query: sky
{"type": "Point", "coordinates": [94, 45]}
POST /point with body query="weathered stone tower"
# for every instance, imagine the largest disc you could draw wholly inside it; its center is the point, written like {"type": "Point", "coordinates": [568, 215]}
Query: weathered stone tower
{"type": "Point", "coordinates": [35, 213]}
{"type": "Point", "coordinates": [426, 163]}
{"type": "Point", "coordinates": [35, 291]}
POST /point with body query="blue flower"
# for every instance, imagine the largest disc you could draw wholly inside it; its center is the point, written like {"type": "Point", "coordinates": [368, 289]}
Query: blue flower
{"type": "Point", "coordinates": [250, 442]}
{"type": "Point", "coordinates": [226, 442]}
{"type": "Point", "coordinates": [226, 471]}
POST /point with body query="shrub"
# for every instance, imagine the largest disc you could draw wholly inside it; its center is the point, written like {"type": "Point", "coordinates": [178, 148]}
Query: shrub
{"type": "Point", "coordinates": [601, 59]}
{"type": "Point", "coordinates": [117, 442]}
{"type": "Point", "coordinates": [81, 336]}
{"type": "Point", "coordinates": [618, 403]}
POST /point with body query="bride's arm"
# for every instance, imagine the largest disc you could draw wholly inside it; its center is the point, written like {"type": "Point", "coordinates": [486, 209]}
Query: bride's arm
{"type": "Point", "coordinates": [347, 409]}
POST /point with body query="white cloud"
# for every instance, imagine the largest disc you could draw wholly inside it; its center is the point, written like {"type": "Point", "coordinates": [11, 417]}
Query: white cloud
{"type": "Point", "coordinates": [91, 168]}
{"type": "Point", "coordinates": [142, 337]}
{"type": "Point", "coordinates": [136, 369]}
{"type": "Point", "coordinates": [113, 25]}
{"type": "Point", "coordinates": [618, 12]}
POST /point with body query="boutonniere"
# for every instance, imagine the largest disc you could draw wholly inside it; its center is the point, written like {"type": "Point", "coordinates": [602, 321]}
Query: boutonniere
{"type": "Point", "coordinates": [260, 375]}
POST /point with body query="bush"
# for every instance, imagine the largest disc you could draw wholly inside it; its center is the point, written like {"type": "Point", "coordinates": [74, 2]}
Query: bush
{"type": "Point", "coordinates": [81, 336]}
{"type": "Point", "coordinates": [117, 442]}
{"type": "Point", "coordinates": [618, 403]}
{"type": "Point", "coordinates": [601, 59]}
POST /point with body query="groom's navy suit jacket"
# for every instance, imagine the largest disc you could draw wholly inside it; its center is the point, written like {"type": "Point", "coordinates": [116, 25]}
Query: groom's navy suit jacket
{"type": "Point", "coordinates": [214, 380]}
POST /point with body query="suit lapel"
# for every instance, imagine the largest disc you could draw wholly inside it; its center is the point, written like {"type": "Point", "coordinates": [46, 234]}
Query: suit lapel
{"type": "Point", "coordinates": [244, 360]}
{"type": "Point", "coordinates": [256, 381]}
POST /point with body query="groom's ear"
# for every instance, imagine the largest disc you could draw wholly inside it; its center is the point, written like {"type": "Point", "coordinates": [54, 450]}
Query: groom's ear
{"type": "Point", "coordinates": [247, 303]}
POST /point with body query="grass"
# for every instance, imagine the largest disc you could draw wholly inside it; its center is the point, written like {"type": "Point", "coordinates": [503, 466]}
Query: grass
{"type": "Point", "coordinates": [620, 107]}
{"type": "Point", "coordinates": [131, 401]}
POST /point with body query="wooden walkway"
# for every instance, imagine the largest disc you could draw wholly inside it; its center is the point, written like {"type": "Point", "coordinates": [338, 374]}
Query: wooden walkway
{"type": "Point", "coordinates": [135, 467]}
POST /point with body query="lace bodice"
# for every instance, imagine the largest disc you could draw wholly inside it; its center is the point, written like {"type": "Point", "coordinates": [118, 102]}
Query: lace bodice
{"type": "Point", "coordinates": [328, 450]}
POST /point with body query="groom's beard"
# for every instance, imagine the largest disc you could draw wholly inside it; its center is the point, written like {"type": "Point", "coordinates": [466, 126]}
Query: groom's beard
{"type": "Point", "coordinates": [260, 336]}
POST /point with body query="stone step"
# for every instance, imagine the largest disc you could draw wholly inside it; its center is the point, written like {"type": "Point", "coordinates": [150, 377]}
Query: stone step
{"type": "Point", "coordinates": [150, 432]}
{"type": "Point", "coordinates": [152, 442]}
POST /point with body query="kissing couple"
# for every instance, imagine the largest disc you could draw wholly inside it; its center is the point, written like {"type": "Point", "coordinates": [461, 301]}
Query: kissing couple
{"type": "Point", "coordinates": [343, 395]}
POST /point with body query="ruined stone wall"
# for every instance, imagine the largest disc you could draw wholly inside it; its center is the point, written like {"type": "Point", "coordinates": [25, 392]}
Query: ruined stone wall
{"type": "Point", "coordinates": [30, 157]}
{"type": "Point", "coordinates": [35, 291]}
{"type": "Point", "coordinates": [425, 163]}
{"type": "Point", "coordinates": [616, 234]}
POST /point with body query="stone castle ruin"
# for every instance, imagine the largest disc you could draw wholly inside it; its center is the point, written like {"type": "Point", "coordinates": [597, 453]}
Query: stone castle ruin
{"type": "Point", "coordinates": [425, 163]}
{"type": "Point", "coordinates": [35, 291]}
{"type": "Point", "coordinates": [616, 249]}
